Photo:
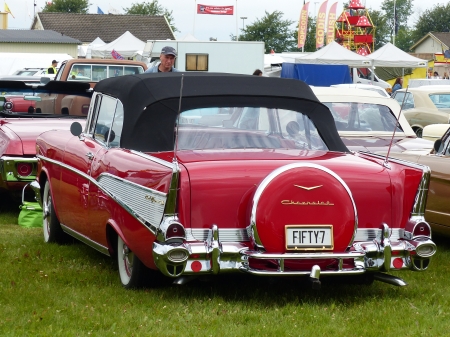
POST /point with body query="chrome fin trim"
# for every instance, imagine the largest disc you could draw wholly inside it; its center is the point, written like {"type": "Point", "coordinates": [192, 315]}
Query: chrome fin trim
{"type": "Point", "coordinates": [146, 203]}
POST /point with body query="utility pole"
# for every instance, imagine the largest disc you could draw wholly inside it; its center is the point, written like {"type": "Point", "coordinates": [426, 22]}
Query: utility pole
{"type": "Point", "coordinates": [395, 24]}
{"type": "Point", "coordinates": [243, 19]}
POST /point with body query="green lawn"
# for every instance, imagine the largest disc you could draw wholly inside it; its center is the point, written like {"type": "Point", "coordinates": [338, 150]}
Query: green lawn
{"type": "Point", "coordinates": [51, 290]}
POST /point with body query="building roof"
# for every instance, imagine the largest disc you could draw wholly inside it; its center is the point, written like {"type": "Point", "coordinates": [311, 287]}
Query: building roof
{"type": "Point", "coordinates": [440, 37]}
{"type": "Point", "coordinates": [35, 36]}
{"type": "Point", "coordinates": [87, 27]}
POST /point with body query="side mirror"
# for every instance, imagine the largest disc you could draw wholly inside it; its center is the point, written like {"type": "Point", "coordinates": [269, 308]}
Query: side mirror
{"type": "Point", "coordinates": [76, 129]}
{"type": "Point", "coordinates": [437, 145]}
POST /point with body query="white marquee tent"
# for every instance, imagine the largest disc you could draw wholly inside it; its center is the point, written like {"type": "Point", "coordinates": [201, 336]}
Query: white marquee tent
{"type": "Point", "coordinates": [127, 45]}
{"type": "Point", "coordinates": [391, 56]}
{"type": "Point", "coordinates": [96, 43]}
{"type": "Point", "coordinates": [334, 53]}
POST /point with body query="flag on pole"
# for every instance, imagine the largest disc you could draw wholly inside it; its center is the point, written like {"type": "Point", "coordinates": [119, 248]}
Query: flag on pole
{"type": "Point", "coordinates": [320, 25]}
{"type": "Point", "coordinates": [116, 55]}
{"type": "Point", "coordinates": [303, 26]}
{"type": "Point", "coordinates": [216, 10]}
{"type": "Point", "coordinates": [7, 10]}
{"type": "Point", "coordinates": [99, 10]}
{"type": "Point", "coordinates": [331, 22]}
{"type": "Point", "coordinates": [112, 10]}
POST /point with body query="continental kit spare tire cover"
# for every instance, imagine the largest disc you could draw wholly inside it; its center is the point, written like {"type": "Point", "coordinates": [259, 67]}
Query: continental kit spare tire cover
{"type": "Point", "coordinates": [303, 207]}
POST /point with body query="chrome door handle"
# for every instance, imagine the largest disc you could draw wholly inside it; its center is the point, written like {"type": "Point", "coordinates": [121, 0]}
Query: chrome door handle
{"type": "Point", "coordinates": [90, 155]}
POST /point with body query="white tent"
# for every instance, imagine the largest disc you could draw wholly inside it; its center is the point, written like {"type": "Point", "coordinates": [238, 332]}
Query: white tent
{"type": "Point", "coordinates": [391, 56]}
{"type": "Point", "coordinates": [96, 43]}
{"type": "Point", "coordinates": [334, 53]}
{"type": "Point", "coordinates": [127, 45]}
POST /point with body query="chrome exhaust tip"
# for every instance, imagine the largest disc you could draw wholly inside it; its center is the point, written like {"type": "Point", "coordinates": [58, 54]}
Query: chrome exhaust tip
{"type": "Point", "coordinates": [390, 279]}
{"type": "Point", "coordinates": [314, 277]}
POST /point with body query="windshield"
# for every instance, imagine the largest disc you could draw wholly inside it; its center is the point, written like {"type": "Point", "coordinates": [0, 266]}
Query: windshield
{"type": "Point", "coordinates": [245, 128]}
{"type": "Point", "coordinates": [365, 117]}
{"type": "Point", "coordinates": [37, 101]}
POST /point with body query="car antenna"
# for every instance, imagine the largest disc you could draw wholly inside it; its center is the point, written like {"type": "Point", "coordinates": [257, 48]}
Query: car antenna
{"type": "Point", "coordinates": [178, 118]}
{"type": "Point", "coordinates": [385, 164]}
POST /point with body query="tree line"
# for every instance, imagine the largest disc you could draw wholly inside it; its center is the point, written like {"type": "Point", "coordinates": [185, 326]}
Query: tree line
{"type": "Point", "coordinates": [281, 35]}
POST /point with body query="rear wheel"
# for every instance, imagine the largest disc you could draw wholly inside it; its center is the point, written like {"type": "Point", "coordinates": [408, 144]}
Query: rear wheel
{"type": "Point", "coordinates": [418, 131]}
{"type": "Point", "coordinates": [133, 273]}
{"type": "Point", "coordinates": [51, 226]}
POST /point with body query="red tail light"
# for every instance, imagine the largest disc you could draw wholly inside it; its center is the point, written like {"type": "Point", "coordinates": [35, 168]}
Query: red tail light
{"type": "Point", "coordinates": [24, 169]}
{"type": "Point", "coordinates": [422, 229]}
{"type": "Point", "coordinates": [175, 230]}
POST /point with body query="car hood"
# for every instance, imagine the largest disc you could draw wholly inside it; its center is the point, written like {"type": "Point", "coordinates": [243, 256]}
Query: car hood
{"type": "Point", "coordinates": [380, 144]}
{"type": "Point", "coordinates": [19, 134]}
{"type": "Point", "coordinates": [222, 185]}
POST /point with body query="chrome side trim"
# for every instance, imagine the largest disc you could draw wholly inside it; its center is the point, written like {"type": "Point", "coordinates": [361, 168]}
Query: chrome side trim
{"type": "Point", "coordinates": [147, 203]}
{"type": "Point", "coordinates": [283, 169]}
{"type": "Point", "coordinates": [84, 239]}
{"type": "Point", "coordinates": [225, 234]}
{"type": "Point", "coordinates": [171, 205]}
{"type": "Point", "coordinates": [152, 158]}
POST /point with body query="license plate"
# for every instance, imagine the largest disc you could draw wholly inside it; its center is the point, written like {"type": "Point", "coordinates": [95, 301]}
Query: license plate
{"type": "Point", "coordinates": [316, 237]}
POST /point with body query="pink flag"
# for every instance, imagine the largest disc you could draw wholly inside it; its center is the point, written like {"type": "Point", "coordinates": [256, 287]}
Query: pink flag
{"type": "Point", "coordinates": [320, 25]}
{"type": "Point", "coordinates": [303, 26]}
{"type": "Point", "coordinates": [216, 10]}
{"type": "Point", "coordinates": [331, 22]}
{"type": "Point", "coordinates": [116, 55]}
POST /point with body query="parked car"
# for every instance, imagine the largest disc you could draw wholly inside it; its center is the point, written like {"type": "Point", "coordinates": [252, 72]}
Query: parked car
{"type": "Point", "coordinates": [374, 88]}
{"type": "Point", "coordinates": [197, 174]}
{"type": "Point", "coordinates": [366, 121]}
{"type": "Point", "coordinates": [434, 132]}
{"type": "Point", "coordinates": [21, 122]}
{"type": "Point", "coordinates": [38, 72]}
{"type": "Point", "coordinates": [95, 70]}
{"type": "Point", "coordinates": [437, 211]}
{"type": "Point", "coordinates": [425, 105]}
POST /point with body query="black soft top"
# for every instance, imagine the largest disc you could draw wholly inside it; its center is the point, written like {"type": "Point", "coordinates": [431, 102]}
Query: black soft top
{"type": "Point", "coordinates": [151, 102]}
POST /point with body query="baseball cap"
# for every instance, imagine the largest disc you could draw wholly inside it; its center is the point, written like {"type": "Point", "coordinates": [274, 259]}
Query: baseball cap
{"type": "Point", "coordinates": [54, 61]}
{"type": "Point", "coordinates": [167, 50]}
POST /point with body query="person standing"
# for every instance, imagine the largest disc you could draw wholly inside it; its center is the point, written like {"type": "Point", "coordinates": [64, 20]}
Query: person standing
{"type": "Point", "coordinates": [167, 57]}
{"type": "Point", "coordinates": [398, 84]}
{"type": "Point", "coordinates": [52, 69]}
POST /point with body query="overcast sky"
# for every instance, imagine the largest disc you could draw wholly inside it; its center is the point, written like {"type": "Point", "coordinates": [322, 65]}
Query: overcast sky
{"type": "Point", "coordinates": [205, 26]}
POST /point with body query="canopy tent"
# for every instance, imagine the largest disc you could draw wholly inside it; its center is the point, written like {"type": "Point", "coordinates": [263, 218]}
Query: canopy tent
{"type": "Point", "coordinates": [96, 43]}
{"type": "Point", "coordinates": [391, 56]}
{"type": "Point", "coordinates": [334, 53]}
{"type": "Point", "coordinates": [127, 45]}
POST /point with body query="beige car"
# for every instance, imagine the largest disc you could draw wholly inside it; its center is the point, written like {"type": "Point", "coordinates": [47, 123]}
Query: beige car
{"type": "Point", "coordinates": [366, 121]}
{"type": "Point", "coordinates": [434, 132]}
{"type": "Point", "coordinates": [437, 211]}
{"type": "Point", "coordinates": [425, 105]}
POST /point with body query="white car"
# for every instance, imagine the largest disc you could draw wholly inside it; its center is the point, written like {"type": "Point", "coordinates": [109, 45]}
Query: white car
{"type": "Point", "coordinates": [370, 87]}
{"type": "Point", "coordinates": [366, 121]}
{"type": "Point", "coordinates": [39, 72]}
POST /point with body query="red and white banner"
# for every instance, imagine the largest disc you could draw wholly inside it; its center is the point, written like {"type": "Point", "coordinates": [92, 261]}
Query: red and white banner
{"type": "Point", "coordinates": [215, 10]}
{"type": "Point", "coordinates": [320, 25]}
{"type": "Point", "coordinates": [303, 26]}
{"type": "Point", "coordinates": [331, 21]}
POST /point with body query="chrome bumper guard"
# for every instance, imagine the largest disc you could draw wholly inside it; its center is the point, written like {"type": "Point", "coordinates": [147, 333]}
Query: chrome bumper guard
{"type": "Point", "coordinates": [212, 256]}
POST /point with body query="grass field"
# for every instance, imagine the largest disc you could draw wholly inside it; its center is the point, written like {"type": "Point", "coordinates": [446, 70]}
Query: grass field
{"type": "Point", "coordinates": [51, 290]}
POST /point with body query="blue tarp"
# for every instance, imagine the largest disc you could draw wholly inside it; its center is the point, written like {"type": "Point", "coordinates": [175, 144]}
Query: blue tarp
{"type": "Point", "coordinates": [320, 75]}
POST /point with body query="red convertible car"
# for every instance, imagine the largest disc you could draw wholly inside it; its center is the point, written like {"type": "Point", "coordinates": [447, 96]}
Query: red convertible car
{"type": "Point", "coordinates": [19, 128]}
{"type": "Point", "coordinates": [199, 174]}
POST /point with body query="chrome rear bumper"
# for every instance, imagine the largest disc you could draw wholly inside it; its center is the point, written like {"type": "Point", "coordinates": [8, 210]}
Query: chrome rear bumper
{"type": "Point", "coordinates": [213, 256]}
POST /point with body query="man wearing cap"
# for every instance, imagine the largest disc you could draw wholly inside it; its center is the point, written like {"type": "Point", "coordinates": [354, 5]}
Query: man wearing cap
{"type": "Point", "coordinates": [52, 68]}
{"type": "Point", "coordinates": [167, 57]}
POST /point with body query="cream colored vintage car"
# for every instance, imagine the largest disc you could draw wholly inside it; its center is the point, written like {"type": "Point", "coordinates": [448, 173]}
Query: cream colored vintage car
{"type": "Point", "coordinates": [366, 121]}
{"type": "Point", "coordinates": [425, 105]}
